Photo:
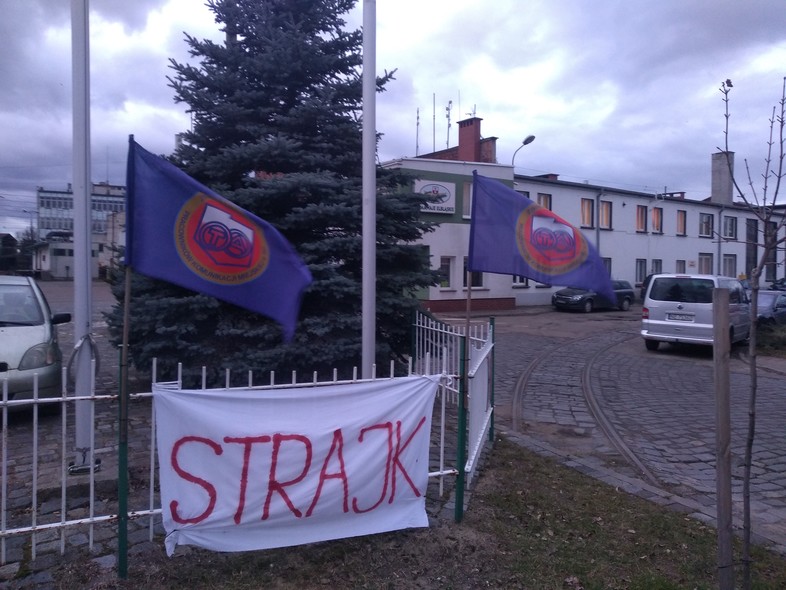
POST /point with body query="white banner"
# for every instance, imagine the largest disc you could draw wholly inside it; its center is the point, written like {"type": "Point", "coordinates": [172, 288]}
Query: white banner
{"type": "Point", "coordinates": [245, 469]}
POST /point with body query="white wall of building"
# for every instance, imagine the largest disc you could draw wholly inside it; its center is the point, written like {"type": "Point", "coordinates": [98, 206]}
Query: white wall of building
{"type": "Point", "coordinates": [633, 251]}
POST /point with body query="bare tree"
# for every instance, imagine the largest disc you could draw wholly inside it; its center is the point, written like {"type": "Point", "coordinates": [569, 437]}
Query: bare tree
{"type": "Point", "coordinates": [761, 201]}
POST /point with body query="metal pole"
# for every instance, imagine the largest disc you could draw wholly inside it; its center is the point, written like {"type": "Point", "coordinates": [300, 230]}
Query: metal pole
{"type": "Point", "coordinates": [122, 457]}
{"type": "Point", "coordinates": [369, 237]}
{"type": "Point", "coordinates": [461, 443]}
{"type": "Point", "coordinates": [492, 358]}
{"type": "Point", "coordinates": [721, 347]}
{"type": "Point", "coordinates": [80, 47]}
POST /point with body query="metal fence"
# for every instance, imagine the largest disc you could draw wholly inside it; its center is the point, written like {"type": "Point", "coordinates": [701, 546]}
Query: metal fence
{"type": "Point", "coordinates": [466, 350]}
{"type": "Point", "coordinates": [47, 499]}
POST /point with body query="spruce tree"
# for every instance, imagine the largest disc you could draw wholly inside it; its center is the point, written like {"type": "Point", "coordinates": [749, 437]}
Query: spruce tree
{"type": "Point", "coordinates": [276, 112]}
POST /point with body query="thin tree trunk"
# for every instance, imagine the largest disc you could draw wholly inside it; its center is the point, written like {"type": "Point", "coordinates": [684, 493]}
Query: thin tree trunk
{"type": "Point", "coordinates": [746, 481]}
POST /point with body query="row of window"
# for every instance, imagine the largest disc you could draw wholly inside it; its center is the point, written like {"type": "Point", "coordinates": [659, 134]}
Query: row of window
{"type": "Point", "coordinates": [110, 204]}
{"type": "Point", "coordinates": [704, 265]}
{"type": "Point", "coordinates": [651, 219]}
{"type": "Point", "coordinates": [648, 219]}
{"type": "Point", "coordinates": [67, 223]}
{"type": "Point", "coordinates": [446, 276]}
{"type": "Point", "coordinates": [69, 252]}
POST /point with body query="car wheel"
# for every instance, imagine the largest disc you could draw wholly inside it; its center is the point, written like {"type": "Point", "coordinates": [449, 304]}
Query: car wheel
{"type": "Point", "coordinates": [651, 344]}
{"type": "Point", "coordinates": [588, 306]}
{"type": "Point", "coordinates": [625, 305]}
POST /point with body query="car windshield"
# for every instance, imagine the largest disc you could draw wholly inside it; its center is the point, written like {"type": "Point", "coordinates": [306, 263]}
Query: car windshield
{"type": "Point", "coordinates": [682, 289]}
{"type": "Point", "coordinates": [19, 306]}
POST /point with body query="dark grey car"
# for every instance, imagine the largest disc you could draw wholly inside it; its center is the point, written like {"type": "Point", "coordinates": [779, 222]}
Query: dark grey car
{"type": "Point", "coordinates": [772, 307]}
{"type": "Point", "coordinates": [584, 300]}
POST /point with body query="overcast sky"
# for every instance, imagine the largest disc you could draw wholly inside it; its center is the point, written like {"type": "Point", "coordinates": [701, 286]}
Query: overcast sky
{"type": "Point", "coordinates": [618, 93]}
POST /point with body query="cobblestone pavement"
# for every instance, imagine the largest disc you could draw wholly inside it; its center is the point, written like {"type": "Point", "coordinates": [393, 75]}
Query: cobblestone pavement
{"type": "Point", "coordinates": [660, 405]}
{"type": "Point", "coordinates": [566, 385]}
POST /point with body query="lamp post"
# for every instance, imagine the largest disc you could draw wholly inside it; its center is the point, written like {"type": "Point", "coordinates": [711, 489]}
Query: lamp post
{"type": "Point", "coordinates": [527, 140]}
{"type": "Point", "coordinates": [32, 233]}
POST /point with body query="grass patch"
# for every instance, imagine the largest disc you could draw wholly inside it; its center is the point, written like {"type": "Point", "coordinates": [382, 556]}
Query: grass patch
{"type": "Point", "coordinates": [771, 340]}
{"type": "Point", "coordinates": [532, 523]}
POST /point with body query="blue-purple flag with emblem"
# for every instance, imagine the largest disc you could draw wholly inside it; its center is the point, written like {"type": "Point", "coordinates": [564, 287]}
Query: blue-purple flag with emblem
{"type": "Point", "coordinates": [509, 234]}
{"type": "Point", "coordinates": [180, 231]}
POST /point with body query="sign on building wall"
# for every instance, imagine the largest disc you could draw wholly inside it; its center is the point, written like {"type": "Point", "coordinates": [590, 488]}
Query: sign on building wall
{"type": "Point", "coordinates": [445, 191]}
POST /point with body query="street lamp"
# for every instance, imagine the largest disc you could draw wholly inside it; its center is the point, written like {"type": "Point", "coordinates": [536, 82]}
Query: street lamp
{"type": "Point", "coordinates": [32, 233]}
{"type": "Point", "coordinates": [527, 140]}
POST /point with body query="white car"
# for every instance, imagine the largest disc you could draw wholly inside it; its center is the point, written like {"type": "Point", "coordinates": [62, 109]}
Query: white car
{"type": "Point", "coordinates": [28, 341]}
{"type": "Point", "coordinates": [678, 309]}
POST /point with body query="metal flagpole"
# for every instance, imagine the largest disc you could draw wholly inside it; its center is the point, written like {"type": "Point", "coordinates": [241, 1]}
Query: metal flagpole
{"type": "Point", "coordinates": [369, 234]}
{"type": "Point", "coordinates": [84, 351]}
{"type": "Point", "coordinates": [122, 456]}
{"type": "Point", "coordinates": [461, 452]}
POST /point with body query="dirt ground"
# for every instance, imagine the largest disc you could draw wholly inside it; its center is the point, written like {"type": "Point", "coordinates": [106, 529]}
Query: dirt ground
{"type": "Point", "coordinates": [444, 555]}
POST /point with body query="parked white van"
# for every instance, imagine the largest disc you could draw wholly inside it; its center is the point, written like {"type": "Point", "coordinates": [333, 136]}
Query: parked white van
{"type": "Point", "coordinates": [678, 308]}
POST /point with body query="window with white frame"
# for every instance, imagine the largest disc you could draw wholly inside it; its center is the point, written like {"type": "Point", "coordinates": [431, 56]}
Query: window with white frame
{"type": "Point", "coordinates": [641, 269]}
{"type": "Point", "coordinates": [587, 213]}
{"type": "Point", "coordinates": [477, 277]}
{"type": "Point", "coordinates": [466, 202]}
{"type": "Point", "coordinates": [705, 263]}
{"type": "Point", "coordinates": [706, 223]}
{"type": "Point", "coordinates": [607, 265]}
{"type": "Point", "coordinates": [679, 267]}
{"type": "Point", "coordinates": [445, 267]}
{"type": "Point", "coordinates": [729, 227]}
{"type": "Point", "coordinates": [657, 266]}
{"type": "Point", "coordinates": [544, 200]}
{"type": "Point", "coordinates": [729, 265]}
{"type": "Point", "coordinates": [604, 215]}
{"type": "Point", "coordinates": [682, 222]}
{"type": "Point", "coordinates": [657, 220]}
{"type": "Point", "coordinates": [520, 282]}
{"type": "Point", "coordinates": [641, 218]}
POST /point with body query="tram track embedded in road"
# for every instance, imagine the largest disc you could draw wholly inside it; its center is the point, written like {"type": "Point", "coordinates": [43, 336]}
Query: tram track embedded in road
{"type": "Point", "coordinates": [598, 349]}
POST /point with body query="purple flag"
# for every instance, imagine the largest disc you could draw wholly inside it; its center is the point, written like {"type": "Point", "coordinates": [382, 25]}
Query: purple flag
{"type": "Point", "coordinates": [509, 234]}
{"type": "Point", "coordinates": [180, 231]}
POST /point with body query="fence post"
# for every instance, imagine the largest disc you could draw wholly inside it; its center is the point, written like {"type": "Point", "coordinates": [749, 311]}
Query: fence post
{"type": "Point", "coordinates": [461, 452]}
{"type": "Point", "coordinates": [122, 442]}
{"type": "Point", "coordinates": [492, 362]}
{"type": "Point", "coordinates": [122, 470]}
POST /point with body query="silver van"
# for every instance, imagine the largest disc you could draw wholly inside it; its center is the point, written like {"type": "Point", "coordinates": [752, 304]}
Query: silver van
{"type": "Point", "coordinates": [678, 308]}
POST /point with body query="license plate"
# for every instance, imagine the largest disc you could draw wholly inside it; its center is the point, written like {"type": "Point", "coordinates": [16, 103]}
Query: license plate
{"type": "Point", "coordinates": [681, 317]}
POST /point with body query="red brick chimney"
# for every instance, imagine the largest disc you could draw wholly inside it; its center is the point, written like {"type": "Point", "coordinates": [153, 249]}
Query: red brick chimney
{"type": "Point", "coordinates": [469, 140]}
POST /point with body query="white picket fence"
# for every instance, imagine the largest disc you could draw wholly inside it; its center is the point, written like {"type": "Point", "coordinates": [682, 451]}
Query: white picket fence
{"type": "Point", "coordinates": [47, 494]}
{"type": "Point", "coordinates": [470, 362]}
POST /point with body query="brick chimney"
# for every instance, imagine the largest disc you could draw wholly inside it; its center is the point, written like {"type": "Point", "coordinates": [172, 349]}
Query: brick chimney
{"type": "Point", "coordinates": [722, 185]}
{"type": "Point", "coordinates": [469, 140]}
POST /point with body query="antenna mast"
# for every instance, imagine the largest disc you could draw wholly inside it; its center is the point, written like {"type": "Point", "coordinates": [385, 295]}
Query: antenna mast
{"type": "Point", "coordinates": [434, 122]}
{"type": "Point", "coordinates": [447, 116]}
{"type": "Point", "coordinates": [417, 131]}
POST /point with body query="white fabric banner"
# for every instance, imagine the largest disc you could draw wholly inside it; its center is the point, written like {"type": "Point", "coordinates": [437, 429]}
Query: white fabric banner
{"type": "Point", "coordinates": [245, 469]}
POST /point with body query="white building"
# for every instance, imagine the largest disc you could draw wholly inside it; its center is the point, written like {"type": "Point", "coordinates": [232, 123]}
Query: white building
{"type": "Point", "coordinates": [635, 233]}
{"type": "Point", "coordinates": [54, 255]}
